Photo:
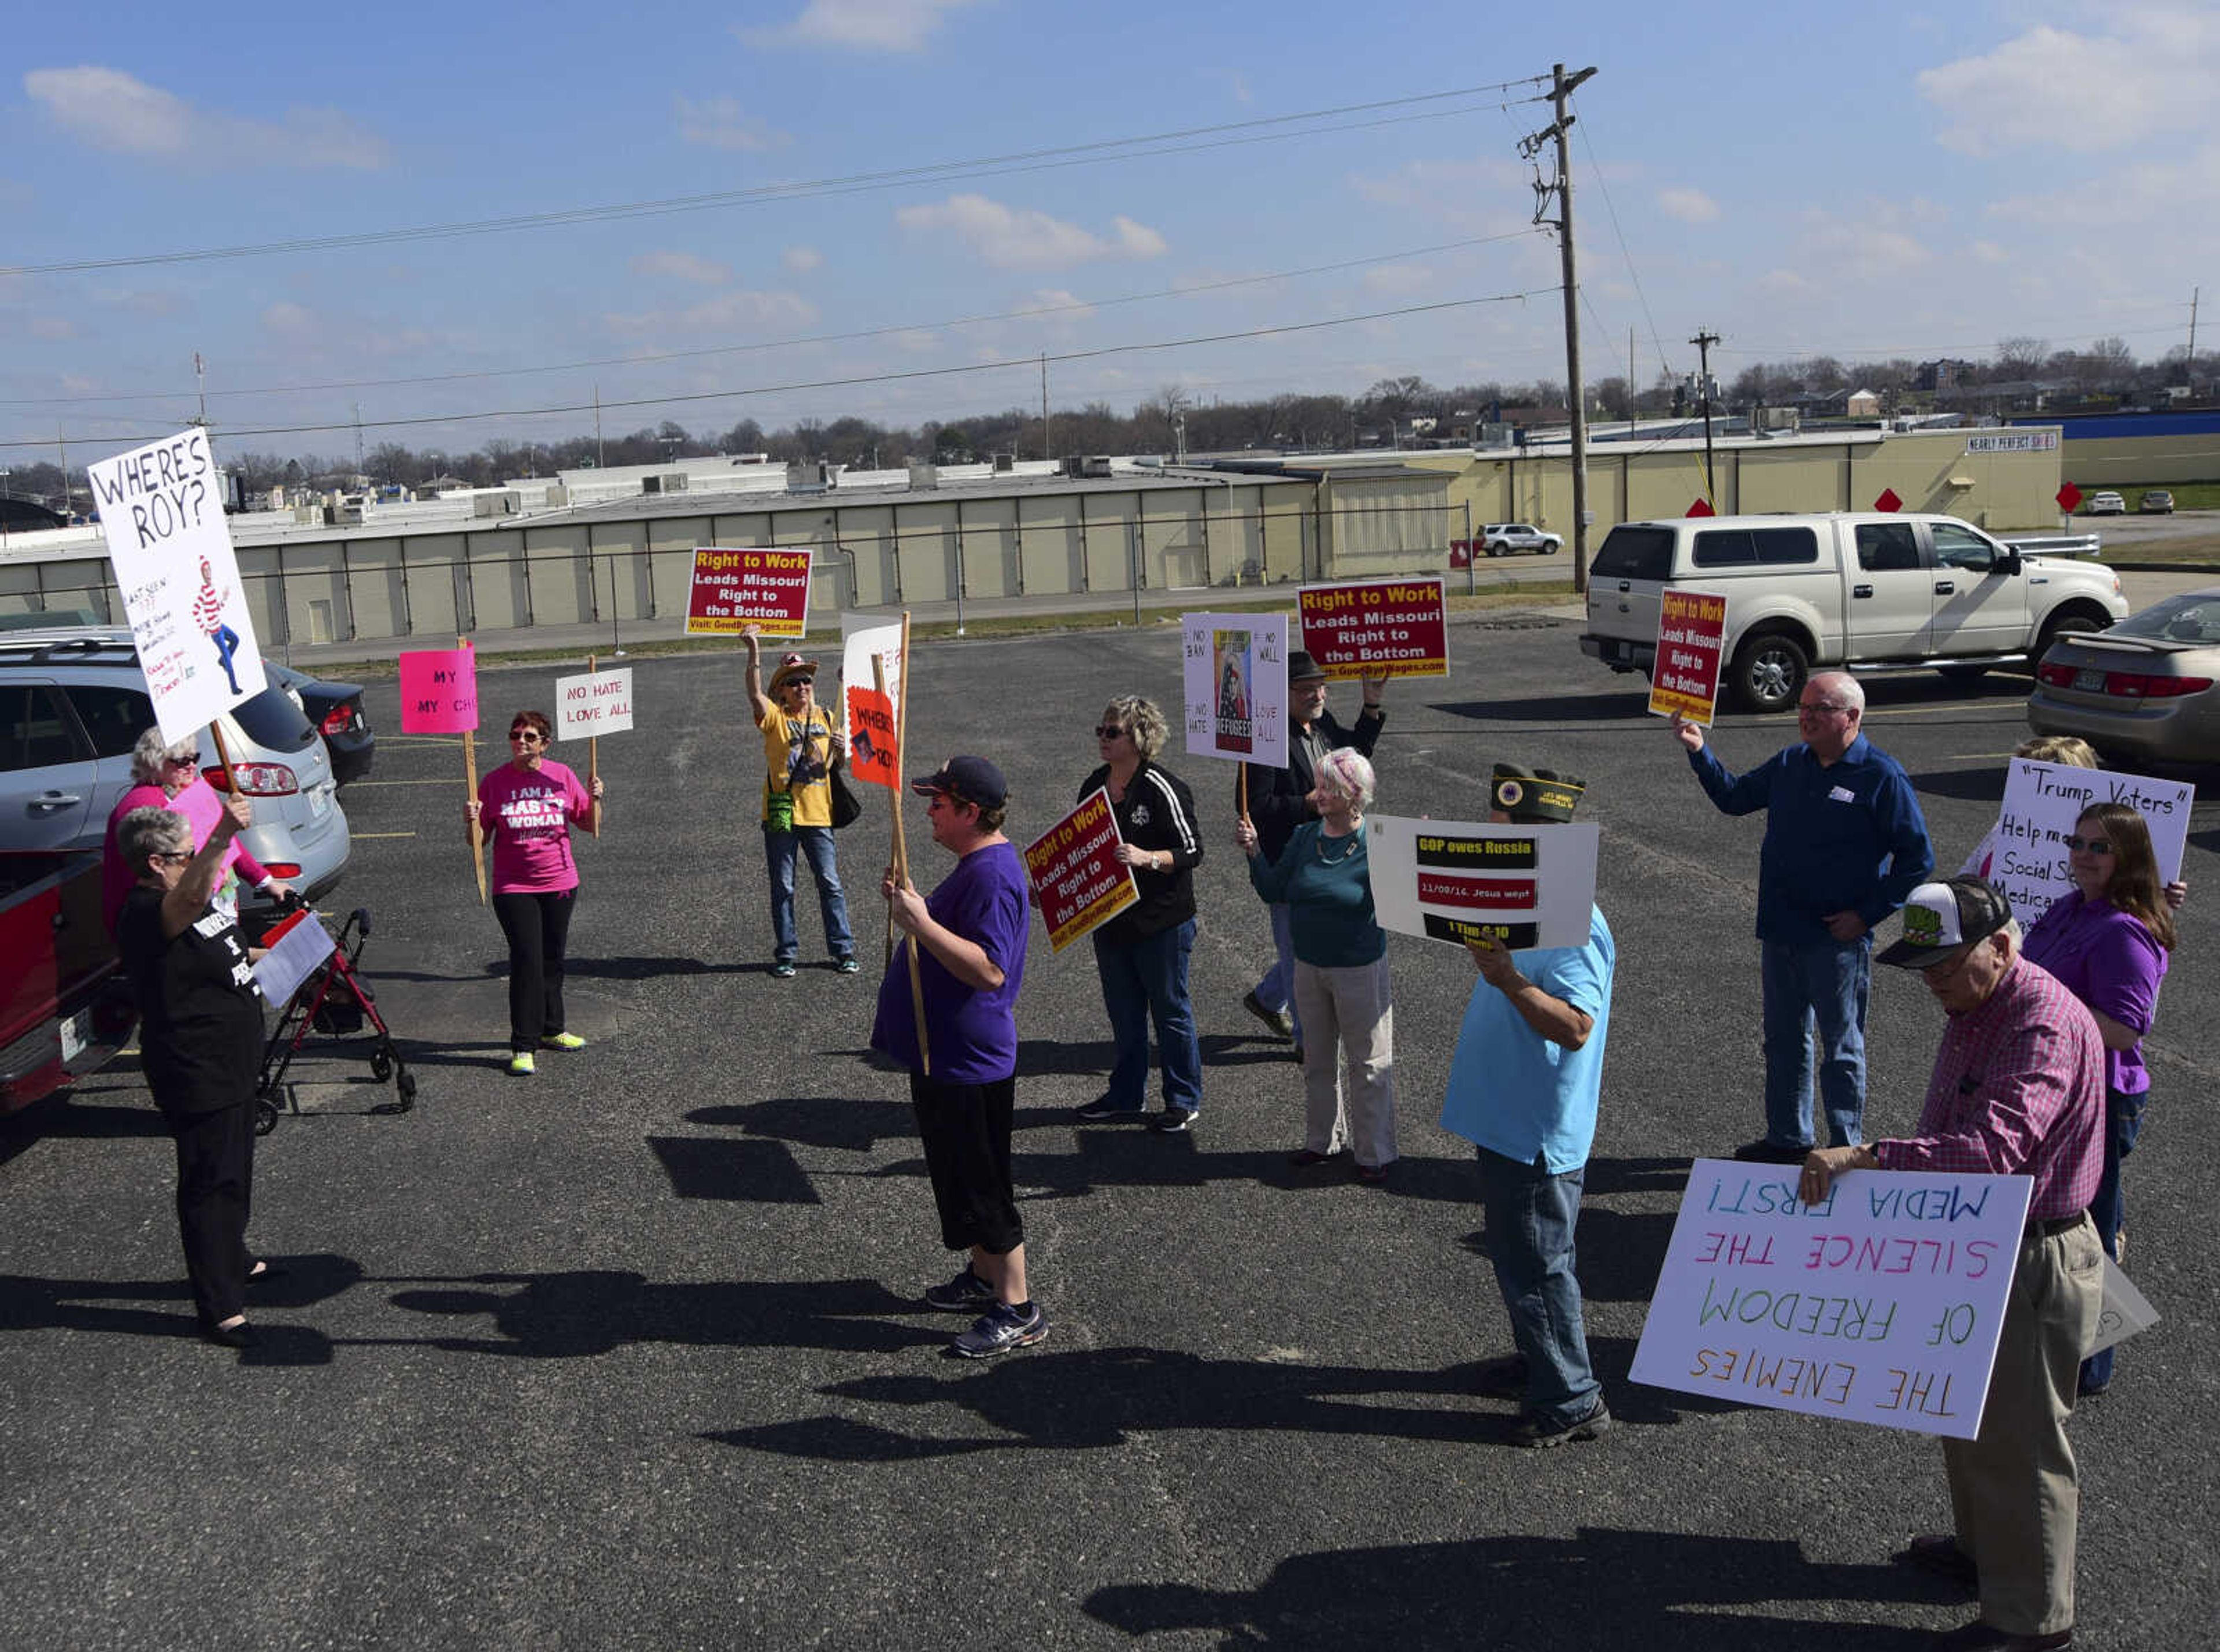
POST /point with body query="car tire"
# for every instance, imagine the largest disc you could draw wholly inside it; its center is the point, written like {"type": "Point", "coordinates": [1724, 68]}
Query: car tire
{"type": "Point", "coordinates": [1768, 671]}
{"type": "Point", "coordinates": [2070, 618]}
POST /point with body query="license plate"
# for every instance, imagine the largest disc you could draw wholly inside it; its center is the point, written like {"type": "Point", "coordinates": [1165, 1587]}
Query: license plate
{"type": "Point", "coordinates": [319, 802]}
{"type": "Point", "coordinates": [2090, 679]}
{"type": "Point", "coordinates": [76, 1033]}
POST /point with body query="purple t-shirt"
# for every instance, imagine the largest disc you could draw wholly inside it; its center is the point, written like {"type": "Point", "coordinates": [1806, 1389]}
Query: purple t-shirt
{"type": "Point", "coordinates": [972, 1035]}
{"type": "Point", "coordinates": [527, 815]}
{"type": "Point", "coordinates": [2108, 960]}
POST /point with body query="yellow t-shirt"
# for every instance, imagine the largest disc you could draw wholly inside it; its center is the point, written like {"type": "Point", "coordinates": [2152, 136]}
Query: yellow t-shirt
{"type": "Point", "coordinates": [788, 745]}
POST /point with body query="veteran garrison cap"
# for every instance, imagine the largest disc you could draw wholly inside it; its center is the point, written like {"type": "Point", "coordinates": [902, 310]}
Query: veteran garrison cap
{"type": "Point", "coordinates": [1536, 795]}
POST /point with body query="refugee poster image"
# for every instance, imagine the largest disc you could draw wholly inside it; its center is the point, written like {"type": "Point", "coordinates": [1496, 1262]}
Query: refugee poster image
{"type": "Point", "coordinates": [1456, 881]}
{"type": "Point", "coordinates": [161, 511]}
{"type": "Point", "coordinates": [1692, 630]}
{"type": "Point", "coordinates": [1236, 678]}
{"type": "Point", "coordinates": [1881, 1304]}
{"type": "Point", "coordinates": [1077, 873]}
{"type": "Point", "coordinates": [734, 589]}
{"type": "Point", "coordinates": [1386, 627]}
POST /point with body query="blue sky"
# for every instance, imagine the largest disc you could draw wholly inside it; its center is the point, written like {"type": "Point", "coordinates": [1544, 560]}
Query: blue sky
{"type": "Point", "coordinates": [1873, 180]}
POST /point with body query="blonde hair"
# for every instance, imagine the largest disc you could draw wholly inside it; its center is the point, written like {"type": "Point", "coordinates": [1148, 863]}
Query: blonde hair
{"type": "Point", "coordinates": [2069, 749]}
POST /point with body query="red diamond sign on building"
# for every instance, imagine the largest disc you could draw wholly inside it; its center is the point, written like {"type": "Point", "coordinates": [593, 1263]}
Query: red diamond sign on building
{"type": "Point", "coordinates": [2069, 497]}
{"type": "Point", "coordinates": [1888, 500]}
{"type": "Point", "coordinates": [1702, 508]}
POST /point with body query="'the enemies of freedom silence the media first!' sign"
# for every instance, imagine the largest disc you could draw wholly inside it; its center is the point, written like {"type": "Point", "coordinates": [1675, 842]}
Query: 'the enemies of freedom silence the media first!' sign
{"type": "Point", "coordinates": [1692, 631]}
{"type": "Point", "coordinates": [734, 589]}
{"type": "Point", "coordinates": [1075, 871]}
{"type": "Point", "coordinates": [1378, 627]}
{"type": "Point", "coordinates": [1235, 672]}
{"type": "Point", "coordinates": [1456, 881]}
{"type": "Point", "coordinates": [438, 691]}
{"type": "Point", "coordinates": [588, 707]}
{"type": "Point", "coordinates": [1881, 1304]}
{"type": "Point", "coordinates": [162, 514]}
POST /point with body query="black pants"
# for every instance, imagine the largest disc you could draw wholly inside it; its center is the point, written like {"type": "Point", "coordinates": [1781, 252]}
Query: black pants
{"type": "Point", "coordinates": [538, 927]}
{"type": "Point", "coordinates": [215, 1186]}
{"type": "Point", "coordinates": [966, 1132]}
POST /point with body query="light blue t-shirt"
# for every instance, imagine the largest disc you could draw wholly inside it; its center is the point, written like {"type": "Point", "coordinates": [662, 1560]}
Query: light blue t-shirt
{"type": "Point", "coordinates": [1514, 1092]}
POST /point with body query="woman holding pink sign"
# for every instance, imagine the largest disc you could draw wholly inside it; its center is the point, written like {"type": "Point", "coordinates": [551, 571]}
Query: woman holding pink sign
{"type": "Point", "coordinates": [526, 808]}
{"type": "Point", "coordinates": [2108, 941]}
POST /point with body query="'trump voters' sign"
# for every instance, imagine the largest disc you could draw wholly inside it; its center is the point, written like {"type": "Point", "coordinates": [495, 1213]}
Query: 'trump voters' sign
{"type": "Point", "coordinates": [1881, 1304]}
{"type": "Point", "coordinates": [162, 513]}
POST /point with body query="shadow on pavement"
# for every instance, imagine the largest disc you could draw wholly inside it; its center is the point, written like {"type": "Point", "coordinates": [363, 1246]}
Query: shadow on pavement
{"type": "Point", "coordinates": [28, 1303]}
{"type": "Point", "coordinates": [1652, 1590]}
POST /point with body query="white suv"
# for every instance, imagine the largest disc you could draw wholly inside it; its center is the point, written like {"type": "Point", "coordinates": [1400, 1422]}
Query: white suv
{"type": "Point", "coordinates": [72, 703]}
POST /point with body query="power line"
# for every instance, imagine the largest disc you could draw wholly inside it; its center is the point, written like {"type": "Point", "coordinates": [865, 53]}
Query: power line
{"type": "Point", "coordinates": [786, 344]}
{"type": "Point", "coordinates": [1626, 252]}
{"type": "Point", "coordinates": [1173, 142]}
{"type": "Point", "coordinates": [1026, 363]}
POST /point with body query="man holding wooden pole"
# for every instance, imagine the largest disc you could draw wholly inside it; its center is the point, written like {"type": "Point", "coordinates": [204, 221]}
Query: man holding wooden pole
{"type": "Point", "coordinates": [967, 944]}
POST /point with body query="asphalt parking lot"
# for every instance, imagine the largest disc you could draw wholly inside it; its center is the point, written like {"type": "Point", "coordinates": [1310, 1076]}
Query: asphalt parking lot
{"type": "Point", "coordinates": [629, 1354]}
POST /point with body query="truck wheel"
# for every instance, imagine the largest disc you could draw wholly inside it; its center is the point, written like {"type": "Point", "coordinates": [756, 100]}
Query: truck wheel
{"type": "Point", "coordinates": [1768, 671]}
{"type": "Point", "coordinates": [2066, 620]}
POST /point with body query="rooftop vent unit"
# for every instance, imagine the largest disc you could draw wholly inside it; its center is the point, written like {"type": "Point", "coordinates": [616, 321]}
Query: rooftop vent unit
{"type": "Point", "coordinates": [922, 476]}
{"type": "Point", "coordinates": [664, 482]}
{"type": "Point", "coordinates": [1086, 464]}
{"type": "Point", "coordinates": [493, 504]}
{"type": "Point", "coordinates": [811, 476]}
{"type": "Point", "coordinates": [1005, 463]}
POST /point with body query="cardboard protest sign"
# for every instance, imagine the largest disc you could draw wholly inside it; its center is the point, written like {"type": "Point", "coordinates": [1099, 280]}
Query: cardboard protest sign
{"type": "Point", "coordinates": [438, 691]}
{"type": "Point", "coordinates": [162, 513]}
{"type": "Point", "coordinates": [2041, 803]}
{"type": "Point", "coordinates": [595, 704]}
{"type": "Point", "coordinates": [1692, 633]}
{"type": "Point", "coordinates": [733, 589]}
{"type": "Point", "coordinates": [1236, 676]}
{"type": "Point", "coordinates": [2126, 1311]}
{"type": "Point", "coordinates": [1376, 627]}
{"type": "Point", "coordinates": [1075, 871]}
{"type": "Point", "coordinates": [1882, 1304]}
{"type": "Point", "coordinates": [1454, 880]}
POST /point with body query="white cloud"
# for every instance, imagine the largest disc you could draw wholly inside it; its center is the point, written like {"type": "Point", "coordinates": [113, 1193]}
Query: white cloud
{"type": "Point", "coordinates": [1483, 196]}
{"type": "Point", "coordinates": [717, 123]}
{"type": "Point", "coordinates": [916, 340]}
{"type": "Point", "coordinates": [1863, 246]}
{"type": "Point", "coordinates": [739, 307]}
{"type": "Point", "coordinates": [1398, 280]}
{"type": "Point", "coordinates": [2152, 74]}
{"type": "Point", "coordinates": [1018, 238]}
{"type": "Point", "coordinates": [864, 25]}
{"type": "Point", "coordinates": [1689, 206]}
{"type": "Point", "coordinates": [290, 320]}
{"type": "Point", "coordinates": [116, 112]}
{"type": "Point", "coordinates": [681, 266]}
{"type": "Point", "coordinates": [800, 260]}
{"type": "Point", "coordinates": [1066, 305]}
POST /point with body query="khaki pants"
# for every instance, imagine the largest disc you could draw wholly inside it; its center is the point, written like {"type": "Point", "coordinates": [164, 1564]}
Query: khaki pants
{"type": "Point", "coordinates": [1349, 1013]}
{"type": "Point", "coordinates": [2013, 1492]}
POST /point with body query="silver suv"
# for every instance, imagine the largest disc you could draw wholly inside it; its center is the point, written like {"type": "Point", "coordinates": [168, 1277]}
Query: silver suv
{"type": "Point", "coordinates": [72, 702]}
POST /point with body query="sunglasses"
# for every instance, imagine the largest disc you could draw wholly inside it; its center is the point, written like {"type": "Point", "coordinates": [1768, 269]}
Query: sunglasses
{"type": "Point", "coordinates": [526, 736]}
{"type": "Point", "coordinates": [182, 856]}
{"type": "Point", "coordinates": [1108, 731]}
{"type": "Point", "coordinates": [798, 682]}
{"type": "Point", "coordinates": [2089, 845]}
{"type": "Point", "coordinates": [186, 759]}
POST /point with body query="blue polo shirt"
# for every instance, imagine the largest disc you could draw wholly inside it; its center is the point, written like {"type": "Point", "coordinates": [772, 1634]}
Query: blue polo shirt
{"type": "Point", "coordinates": [1514, 1092]}
{"type": "Point", "coordinates": [1844, 837]}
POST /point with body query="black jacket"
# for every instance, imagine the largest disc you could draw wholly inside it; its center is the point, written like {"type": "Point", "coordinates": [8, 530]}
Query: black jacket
{"type": "Point", "coordinates": [1275, 796]}
{"type": "Point", "coordinates": [1158, 813]}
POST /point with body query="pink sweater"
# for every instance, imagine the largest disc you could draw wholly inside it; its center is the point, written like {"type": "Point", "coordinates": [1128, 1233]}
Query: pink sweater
{"type": "Point", "coordinates": [200, 804]}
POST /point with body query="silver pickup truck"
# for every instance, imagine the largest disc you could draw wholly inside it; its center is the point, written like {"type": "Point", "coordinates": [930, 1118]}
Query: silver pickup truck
{"type": "Point", "coordinates": [1866, 591]}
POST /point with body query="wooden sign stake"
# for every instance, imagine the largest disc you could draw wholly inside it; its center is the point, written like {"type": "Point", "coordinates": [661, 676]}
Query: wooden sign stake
{"type": "Point", "coordinates": [593, 767]}
{"type": "Point", "coordinates": [470, 792]}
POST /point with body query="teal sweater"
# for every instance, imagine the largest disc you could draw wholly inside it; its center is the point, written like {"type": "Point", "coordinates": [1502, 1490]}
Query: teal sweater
{"type": "Point", "coordinates": [1328, 897]}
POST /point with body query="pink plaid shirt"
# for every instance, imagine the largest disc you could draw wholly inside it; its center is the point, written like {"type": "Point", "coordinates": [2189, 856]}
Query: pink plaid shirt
{"type": "Point", "coordinates": [2019, 1090]}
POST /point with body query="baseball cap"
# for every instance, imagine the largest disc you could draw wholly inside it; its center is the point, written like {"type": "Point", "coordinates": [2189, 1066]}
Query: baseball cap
{"type": "Point", "coordinates": [974, 779]}
{"type": "Point", "coordinates": [1940, 919]}
{"type": "Point", "coordinates": [1536, 795]}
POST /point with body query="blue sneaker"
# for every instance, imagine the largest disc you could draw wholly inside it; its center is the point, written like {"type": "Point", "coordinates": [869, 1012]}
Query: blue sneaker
{"type": "Point", "coordinates": [965, 1294]}
{"type": "Point", "coordinates": [1001, 1329]}
{"type": "Point", "coordinates": [783, 970]}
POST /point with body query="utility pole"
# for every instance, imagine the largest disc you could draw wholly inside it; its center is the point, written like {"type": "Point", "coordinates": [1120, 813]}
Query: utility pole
{"type": "Point", "coordinates": [61, 440]}
{"type": "Point", "coordinates": [358, 438]}
{"type": "Point", "coordinates": [1561, 89]}
{"type": "Point", "coordinates": [601, 449]}
{"type": "Point", "coordinates": [2193, 293]}
{"type": "Point", "coordinates": [1704, 341]}
{"type": "Point", "coordinates": [200, 375]}
{"type": "Point", "coordinates": [1049, 451]}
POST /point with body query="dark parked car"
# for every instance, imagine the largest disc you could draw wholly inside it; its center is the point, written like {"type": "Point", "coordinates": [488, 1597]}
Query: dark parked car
{"type": "Point", "coordinates": [336, 710]}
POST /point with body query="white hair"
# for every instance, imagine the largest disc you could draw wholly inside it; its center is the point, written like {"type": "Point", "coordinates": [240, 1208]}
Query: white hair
{"type": "Point", "coordinates": [1349, 772]}
{"type": "Point", "coordinates": [1843, 685]}
{"type": "Point", "coordinates": [150, 751]}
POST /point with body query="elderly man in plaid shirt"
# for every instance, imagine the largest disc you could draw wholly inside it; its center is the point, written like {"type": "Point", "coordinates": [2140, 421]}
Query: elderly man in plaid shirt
{"type": "Point", "coordinates": [2019, 1090]}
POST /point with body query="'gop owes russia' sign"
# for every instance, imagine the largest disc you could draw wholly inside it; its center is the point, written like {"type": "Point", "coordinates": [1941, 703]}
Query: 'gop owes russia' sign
{"type": "Point", "coordinates": [162, 513]}
{"type": "Point", "coordinates": [1881, 1304]}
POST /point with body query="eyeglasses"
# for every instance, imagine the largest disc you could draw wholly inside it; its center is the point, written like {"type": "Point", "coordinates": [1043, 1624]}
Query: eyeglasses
{"type": "Point", "coordinates": [525, 736]}
{"type": "Point", "coordinates": [183, 759]}
{"type": "Point", "coordinates": [184, 855]}
{"type": "Point", "coordinates": [2089, 845]}
{"type": "Point", "coordinates": [1108, 731]}
{"type": "Point", "coordinates": [1938, 973]}
{"type": "Point", "coordinates": [1816, 707]}
{"type": "Point", "coordinates": [797, 683]}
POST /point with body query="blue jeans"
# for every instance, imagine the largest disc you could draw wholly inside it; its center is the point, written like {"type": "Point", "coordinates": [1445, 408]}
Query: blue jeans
{"type": "Point", "coordinates": [1147, 979]}
{"type": "Point", "coordinates": [1821, 984]}
{"type": "Point", "coordinates": [1276, 991]}
{"type": "Point", "coordinates": [1531, 1217]}
{"type": "Point", "coordinates": [2123, 1123]}
{"type": "Point", "coordinates": [816, 842]}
